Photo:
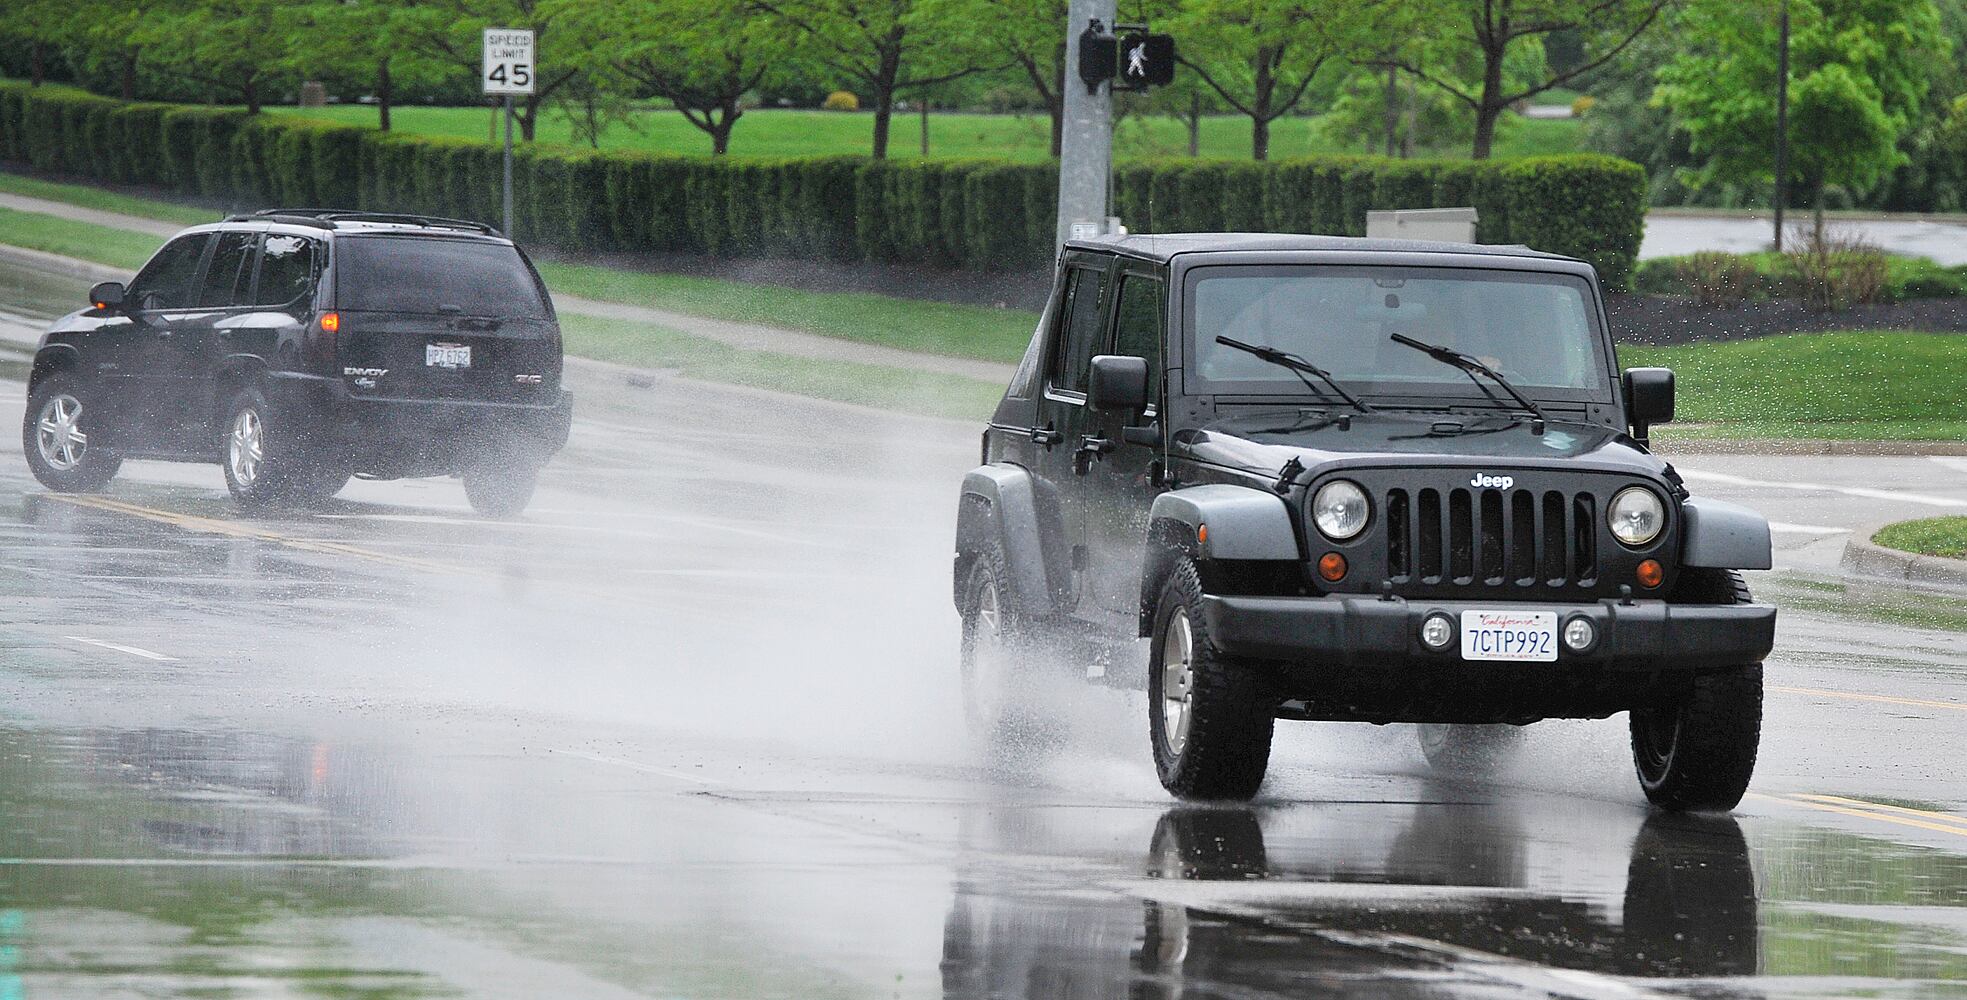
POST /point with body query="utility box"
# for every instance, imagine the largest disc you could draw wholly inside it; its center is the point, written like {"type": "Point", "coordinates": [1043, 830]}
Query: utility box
{"type": "Point", "coordinates": [313, 94]}
{"type": "Point", "coordinates": [1446, 225]}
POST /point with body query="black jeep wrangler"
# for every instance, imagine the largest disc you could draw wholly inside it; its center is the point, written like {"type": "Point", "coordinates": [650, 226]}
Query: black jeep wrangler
{"type": "Point", "coordinates": [297, 348]}
{"type": "Point", "coordinates": [1344, 479]}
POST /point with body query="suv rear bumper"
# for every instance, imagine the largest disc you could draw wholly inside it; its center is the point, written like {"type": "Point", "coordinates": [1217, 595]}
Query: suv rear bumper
{"type": "Point", "coordinates": [1373, 636]}
{"type": "Point", "coordinates": [417, 436]}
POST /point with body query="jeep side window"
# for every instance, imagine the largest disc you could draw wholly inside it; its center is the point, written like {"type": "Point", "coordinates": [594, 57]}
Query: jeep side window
{"type": "Point", "coordinates": [1082, 331]}
{"type": "Point", "coordinates": [228, 274]}
{"type": "Point", "coordinates": [1137, 326]}
{"type": "Point", "coordinates": [165, 282]}
{"type": "Point", "coordinates": [286, 270]}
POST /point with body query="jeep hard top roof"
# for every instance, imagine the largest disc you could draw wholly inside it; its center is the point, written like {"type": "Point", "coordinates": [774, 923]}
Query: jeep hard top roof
{"type": "Point", "coordinates": [1161, 248]}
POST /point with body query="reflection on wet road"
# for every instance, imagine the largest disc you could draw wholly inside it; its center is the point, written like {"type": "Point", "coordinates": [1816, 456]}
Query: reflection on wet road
{"type": "Point", "coordinates": [690, 729]}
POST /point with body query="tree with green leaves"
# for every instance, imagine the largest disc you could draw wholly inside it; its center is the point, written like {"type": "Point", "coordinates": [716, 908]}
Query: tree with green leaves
{"type": "Point", "coordinates": [452, 32]}
{"type": "Point", "coordinates": [363, 35]}
{"type": "Point", "coordinates": [1483, 35]}
{"type": "Point", "coordinates": [232, 47]}
{"type": "Point", "coordinates": [1859, 73]}
{"type": "Point", "coordinates": [1260, 56]}
{"type": "Point", "coordinates": [702, 56]}
{"type": "Point", "coordinates": [103, 41]}
{"type": "Point", "coordinates": [45, 25]}
{"type": "Point", "coordinates": [1027, 35]}
{"type": "Point", "coordinates": [883, 47]}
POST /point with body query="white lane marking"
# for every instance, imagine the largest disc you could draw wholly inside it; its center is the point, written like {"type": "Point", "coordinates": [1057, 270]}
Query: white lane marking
{"type": "Point", "coordinates": [604, 529]}
{"type": "Point", "coordinates": [119, 647]}
{"type": "Point", "coordinates": [1851, 491]}
{"type": "Point", "coordinates": [633, 766]}
{"type": "Point", "coordinates": [1806, 529]}
{"type": "Point", "coordinates": [1959, 464]}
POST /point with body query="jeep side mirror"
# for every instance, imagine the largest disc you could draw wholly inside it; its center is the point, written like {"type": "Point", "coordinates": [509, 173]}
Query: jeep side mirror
{"type": "Point", "coordinates": [1118, 384]}
{"type": "Point", "coordinates": [107, 295]}
{"type": "Point", "coordinates": [1649, 398]}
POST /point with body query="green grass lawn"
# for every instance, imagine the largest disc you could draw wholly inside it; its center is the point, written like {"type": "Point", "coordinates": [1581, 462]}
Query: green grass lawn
{"type": "Point", "coordinates": [1857, 385]}
{"type": "Point", "coordinates": [645, 346]}
{"type": "Point", "coordinates": [102, 244]}
{"type": "Point", "coordinates": [1934, 536]}
{"type": "Point", "coordinates": [106, 201]}
{"type": "Point", "coordinates": [787, 132]}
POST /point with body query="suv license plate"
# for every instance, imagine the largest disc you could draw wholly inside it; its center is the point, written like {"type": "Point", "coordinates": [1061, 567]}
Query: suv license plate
{"type": "Point", "coordinates": [447, 355]}
{"type": "Point", "coordinates": [1509, 635]}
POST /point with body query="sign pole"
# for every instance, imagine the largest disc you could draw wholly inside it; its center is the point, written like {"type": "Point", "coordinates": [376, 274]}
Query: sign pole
{"type": "Point", "coordinates": [508, 167]}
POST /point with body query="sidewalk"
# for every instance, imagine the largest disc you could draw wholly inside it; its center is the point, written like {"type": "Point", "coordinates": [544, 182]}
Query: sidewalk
{"type": "Point", "coordinates": [749, 336]}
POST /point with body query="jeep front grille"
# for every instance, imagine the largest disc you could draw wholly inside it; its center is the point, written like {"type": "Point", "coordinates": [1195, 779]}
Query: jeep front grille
{"type": "Point", "coordinates": [1491, 537]}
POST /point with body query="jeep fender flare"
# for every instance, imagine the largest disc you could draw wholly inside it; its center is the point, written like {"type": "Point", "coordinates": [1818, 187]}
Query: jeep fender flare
{"type": "Point", "coordinates": [1243, 524]}
{"type": "Point", "coordinates": [1716, 534]}
{"type": "Point", "coordinates": [999, 507]}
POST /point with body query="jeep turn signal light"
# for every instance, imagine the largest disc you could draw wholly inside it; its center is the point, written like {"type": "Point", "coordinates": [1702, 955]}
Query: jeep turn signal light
{"type": "Point", "coordinates": [1650, 573]}
{"type": "Point", "coordinates": [1331, 566]}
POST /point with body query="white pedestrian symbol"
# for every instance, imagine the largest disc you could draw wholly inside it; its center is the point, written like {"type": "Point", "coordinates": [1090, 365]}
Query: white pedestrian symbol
{"type": "Point", "coordinates": [1137, 61]}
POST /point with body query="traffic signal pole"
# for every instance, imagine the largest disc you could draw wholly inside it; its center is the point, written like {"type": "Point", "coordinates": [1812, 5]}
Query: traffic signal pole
{"type": "Point", "coordinates": [1086, 141]}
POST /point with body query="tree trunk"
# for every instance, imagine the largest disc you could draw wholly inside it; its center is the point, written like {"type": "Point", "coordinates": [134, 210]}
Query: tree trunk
{"type": "Point", "coordinates": [1195, 124]}
{"type": "Point", "coordinates": [382, 93]}
{"type": "Point", "coordinates": [1260, 138]}
{"type": "Point", "coordinates": [925, 128]}
{"type": "Point", "coordinates": [529, 117]}
{"type": "Point", "coordinates": [1392, 108]}
{"type": "Point", "coordinates": [883, 85]}
{"type": "Point", "coordinates": [37, 66]}
{"type": "Point", "coordinates": [720, 137]}
{"type": "Point", "coordinates": [130, 77]}
{"type": "Point", "coordinates": [251, 89]}
{"type": "Point", "coordinates": [1058, 127]}
{"type": "Point", "coordinates": [1491, 107]}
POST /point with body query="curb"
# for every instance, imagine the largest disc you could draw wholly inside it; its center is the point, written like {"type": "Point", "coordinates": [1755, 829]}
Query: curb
{"type": "Point", "coordinates": [1863, 558]}
{"type": "Point", "coordinates": [57, 264]}
{"type": "Point", "coordinates": [1665, 444]}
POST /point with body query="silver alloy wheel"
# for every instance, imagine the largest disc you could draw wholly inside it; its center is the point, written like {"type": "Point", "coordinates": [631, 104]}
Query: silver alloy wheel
{"type": "Point", "coordinates": [1177, 680]}
{"type": "Point", "coordinates": [987, 673]}
{"type": "Point", "coordinates": [245, 447]}
{"type": "Point", "coordinates": [58, 433]}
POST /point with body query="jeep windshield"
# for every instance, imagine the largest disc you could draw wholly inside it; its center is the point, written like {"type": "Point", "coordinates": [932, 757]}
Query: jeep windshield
{"type": "Point", "coordinates": [423, 274]}
{"type": "Point", "coordinates": [1538, 329]}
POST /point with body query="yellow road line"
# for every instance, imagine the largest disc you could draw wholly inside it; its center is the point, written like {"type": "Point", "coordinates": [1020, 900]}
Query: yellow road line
{"type": "Point", "coordinates": [1870, 810]}
{"type": "Point", "coordinates": [1861, 803]}
{"type": "Point", "coordinates": [1954, 706]}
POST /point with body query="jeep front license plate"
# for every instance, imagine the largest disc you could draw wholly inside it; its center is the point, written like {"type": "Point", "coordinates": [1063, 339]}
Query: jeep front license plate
{"type": "Point", "coordinates": [447, 355]}
{"type": "Point", "coordinates": [1509, 635]}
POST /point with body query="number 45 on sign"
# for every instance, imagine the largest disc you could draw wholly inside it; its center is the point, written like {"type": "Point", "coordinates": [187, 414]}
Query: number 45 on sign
{"type": "Point", "coordinates": [508, 67]}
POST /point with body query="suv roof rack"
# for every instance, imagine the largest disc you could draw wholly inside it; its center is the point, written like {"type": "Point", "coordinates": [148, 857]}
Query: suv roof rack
{"type": "Point", "coordinates": [329, 216]}
{"type": "Point", "coordinates": [279, 216]}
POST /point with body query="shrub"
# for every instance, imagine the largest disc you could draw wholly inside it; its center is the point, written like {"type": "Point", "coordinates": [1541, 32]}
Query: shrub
{"type": "Point", "coordinates": [1716, 279]}
{"type": "Point", "coordinates": [1834, 272]}
{"type": "Point", "coordinates": [841, 100]}
{"type": "Point", "coordinates": [1590, 207]}
{"type": "Point", "coordinates": [1582, 105]}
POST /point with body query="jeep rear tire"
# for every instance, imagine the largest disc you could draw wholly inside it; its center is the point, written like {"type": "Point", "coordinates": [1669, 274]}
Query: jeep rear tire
{"type": "Point", "coordinates": [500, 490]}
{"type": "Point", "coordinates": [1003, 663]}
{"type": "Point", "coordinates": [1209, 716]}
{"type": "Point", "coordinates": [55, 434]}
{"type": "Point", "coordinates": [1697, 752]}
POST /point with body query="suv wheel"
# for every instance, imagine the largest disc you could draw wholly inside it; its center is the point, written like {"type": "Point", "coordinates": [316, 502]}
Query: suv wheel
{"type": "Point", "coordinates": [1698, 751]}
{"type": "Point", "coordinates": [500, 489]}
{"type": "Point", "coordinates": [266, 467]}
{"type": "Point", "coordinates": [1209, 717]}
{"type": "Point", "coordinates": [1459, 749]}
{"type": "Point", "coordinates": [55, 436]}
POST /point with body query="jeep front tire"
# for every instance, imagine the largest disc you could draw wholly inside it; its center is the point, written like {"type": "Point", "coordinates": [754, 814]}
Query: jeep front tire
{"type": "Point", "coordinates": [1697, 752]}
{"type": "Point", "coordinates": [1209, 716]}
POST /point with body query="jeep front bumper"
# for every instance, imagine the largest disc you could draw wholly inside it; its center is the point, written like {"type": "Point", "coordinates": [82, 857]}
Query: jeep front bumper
{"type": "Point", "coordinates": [1375, 636]}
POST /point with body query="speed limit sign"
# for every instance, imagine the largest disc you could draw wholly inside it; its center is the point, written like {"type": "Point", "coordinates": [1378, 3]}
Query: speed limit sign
{"type": "Point", "coordinates": [508, 67]}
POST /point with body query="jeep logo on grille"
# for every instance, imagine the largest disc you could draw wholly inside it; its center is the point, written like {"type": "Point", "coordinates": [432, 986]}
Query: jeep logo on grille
{"type": "Point", "coordinates": [1499, 482]}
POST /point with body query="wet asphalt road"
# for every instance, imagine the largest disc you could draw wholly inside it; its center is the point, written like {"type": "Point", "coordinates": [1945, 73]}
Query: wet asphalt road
{"type": "Point", "coordinates": [690, 729]}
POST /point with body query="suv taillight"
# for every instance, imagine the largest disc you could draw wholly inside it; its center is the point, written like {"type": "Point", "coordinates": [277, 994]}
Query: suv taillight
{"type": "Point", "coordinates": [321, 339]}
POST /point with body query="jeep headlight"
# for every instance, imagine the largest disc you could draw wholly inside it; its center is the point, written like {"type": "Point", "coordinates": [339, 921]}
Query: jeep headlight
{"type": "Point", "coordinates": [1340, 509]}
{"type": "Point", "coordinates": [1636, 515]}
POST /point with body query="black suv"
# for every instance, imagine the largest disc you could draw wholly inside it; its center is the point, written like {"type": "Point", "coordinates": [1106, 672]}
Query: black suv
{"type": "Point", "coordinates": [1344, 479]}
{"type": "Point", "coordinates": [297, 348]}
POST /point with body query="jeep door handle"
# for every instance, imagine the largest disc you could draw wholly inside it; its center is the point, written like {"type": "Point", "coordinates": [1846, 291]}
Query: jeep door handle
{"type": "Point", "coordinates": [1090, 449]}
{"type": "Point", "coordinates": [1046, 436]}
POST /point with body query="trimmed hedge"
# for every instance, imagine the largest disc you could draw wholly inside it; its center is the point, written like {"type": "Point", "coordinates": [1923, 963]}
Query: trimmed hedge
{"type": "Point", "coordinates": [981, 214]}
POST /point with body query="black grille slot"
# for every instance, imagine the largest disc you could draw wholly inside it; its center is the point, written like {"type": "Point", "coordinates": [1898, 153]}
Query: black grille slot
{"type": "Point", "coordinates": [1491, 537]}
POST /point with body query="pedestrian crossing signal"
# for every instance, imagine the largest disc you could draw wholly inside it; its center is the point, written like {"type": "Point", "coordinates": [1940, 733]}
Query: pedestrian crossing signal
{"type": "Point", "coordinates": [1146, 61]}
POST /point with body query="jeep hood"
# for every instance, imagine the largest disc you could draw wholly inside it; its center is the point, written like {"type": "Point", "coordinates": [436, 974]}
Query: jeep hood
{"type": "Point", "coordinates": [1261, 443]}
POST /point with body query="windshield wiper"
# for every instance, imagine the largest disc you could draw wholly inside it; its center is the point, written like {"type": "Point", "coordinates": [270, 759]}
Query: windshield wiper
{"type": "Point", "coordinates": [1299, 367]}
{"type": "Point", "coordinates": [1469, 364]}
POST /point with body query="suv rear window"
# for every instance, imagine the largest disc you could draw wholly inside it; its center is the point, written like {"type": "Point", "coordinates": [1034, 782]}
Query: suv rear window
{"type": "Point", "coordinates": [422, 275]}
